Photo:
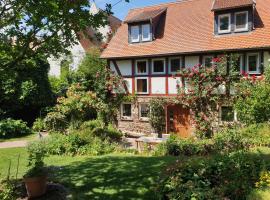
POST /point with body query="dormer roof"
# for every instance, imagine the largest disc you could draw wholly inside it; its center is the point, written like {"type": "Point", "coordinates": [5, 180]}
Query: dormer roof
{"type": "Point", "coordinates": [231, 4]}
{"type": "Point", "coordinates": [145, 15]}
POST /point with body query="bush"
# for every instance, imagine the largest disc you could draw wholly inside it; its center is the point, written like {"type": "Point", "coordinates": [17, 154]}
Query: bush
{"type": "Point", "coordinates": [229, 176]}
{"type": "Point", "coordinates": [10, 128]}
{"type": "Point", "coordinates": [230, 140]}
{"type": "Point", "coordinates": [7, 190]}
{"type": "Point", "coordinates": [97, 128]}
{"type": "Point", "coordinates": [157, 114]}
{"type": "Point", "coordinates": [55, 121]}
{"type": "Point", "coordinates": [39, 125]}
{"type": "Point", "coordinates": [176, 146]}
{"type": "Point", "coordinates": [257, 134]}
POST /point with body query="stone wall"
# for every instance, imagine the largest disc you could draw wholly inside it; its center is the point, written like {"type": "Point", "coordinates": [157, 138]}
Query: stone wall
{"type": "Point", "coordinates": [135, 125]}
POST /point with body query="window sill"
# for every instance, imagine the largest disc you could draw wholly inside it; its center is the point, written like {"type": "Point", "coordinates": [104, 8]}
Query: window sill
{"type": "Point", "coordinates": [143, 119]}
{"type": "Point", "coordinates": [126, 119]}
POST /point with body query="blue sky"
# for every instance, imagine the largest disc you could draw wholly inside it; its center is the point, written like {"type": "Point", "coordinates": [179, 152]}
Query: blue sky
{"type": "Point", "coordinates": [121, 9]}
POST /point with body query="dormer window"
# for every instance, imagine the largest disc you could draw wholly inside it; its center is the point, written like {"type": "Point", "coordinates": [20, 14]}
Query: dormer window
{"type": "Point", "coordinates": [142, 26]}
{"type": "Point", "coordinates": [224, 23]}
{"type": "Point", "coordinates": [241, 21]}
{"type": "Point", "coordinates": [135, 34]}
{"type": "Point", "coordinates": [146, 33]}
{"type": "Point", "coordinates": [140, 33]}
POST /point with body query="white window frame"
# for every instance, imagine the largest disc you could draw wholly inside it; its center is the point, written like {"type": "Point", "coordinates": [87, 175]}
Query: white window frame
{"type": "Point", "coordinates": [229, 28]}
{"type": "Point", "coordinates": [137, 40]}
{"type": "Point", "coordinates": [122, 111]}
{"type": "Point", "coordinates": [235, 119]}
{"type": "Point", "coordinates": [208, 56]}
{"type": "Point", "coordinates": [164, 65]}
{"type": "Point", "coordinates": [257, 63]}
{"type": "Point", "coordinates": [241, 29]}
{"type": "Point", "coordinates": [170, 67]}
{"type": "Point", "coordinates": [143, 118]}
{"type": "Point", "coordinates": [149, 35]}
{"type": "Point", "coordinates": [136, 66]}
{"type": "Point", "coordinates": [136, 89]}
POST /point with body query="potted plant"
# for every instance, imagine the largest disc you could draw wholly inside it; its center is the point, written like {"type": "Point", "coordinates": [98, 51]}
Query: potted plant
{"type": "Point", "coordinates": [35, 178]}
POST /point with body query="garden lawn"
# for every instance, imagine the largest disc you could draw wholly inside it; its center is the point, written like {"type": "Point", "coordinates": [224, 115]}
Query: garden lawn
{"type": "Point", "coordinates": [115, 176]}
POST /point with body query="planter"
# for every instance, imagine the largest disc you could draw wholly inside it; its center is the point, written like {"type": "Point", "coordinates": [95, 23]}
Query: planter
{"type": "Point", "coordinates": [35, 186]}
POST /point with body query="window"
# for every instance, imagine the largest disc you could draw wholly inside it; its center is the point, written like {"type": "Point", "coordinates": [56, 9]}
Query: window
{"type": "Point", "coordinates": [140, 33]}
{"type": "Point", "coordinates": [126, 111]}
{"type": "Point", "coordinates": [142, 85]}
{"type": "Point", "coordinates": [158, 66]}
{"type": "Point", "coordinates": [208, 61]}
{"type": "Point", "coordinates": [253, 63]}
{"type": "Point", "coordinates": [227, 114]}
{"type": "Point", "coordinates": [224, 23]}
{"type": "Point", "coordinates": [141, 67]}
{"type": "Point", "coordinates": [175, 64]}
{"type": "Point", "coordinates": [241, 21]}
{"type": "Point", "coordinates": [144, 111]}
{"type": "Point", "coordinates": [146, 33]}
{"type": "Point", "coordinates": [135, 34]}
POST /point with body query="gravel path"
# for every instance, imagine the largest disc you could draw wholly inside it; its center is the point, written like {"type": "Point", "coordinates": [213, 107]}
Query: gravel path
{"type": "Point", "coordinates": [19, 143]}
{"type": "Point", "coordinates": [13, 144]}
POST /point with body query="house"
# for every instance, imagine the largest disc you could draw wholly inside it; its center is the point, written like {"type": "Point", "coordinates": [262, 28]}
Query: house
{"type": "Point", "coordinates": [154, 42]}
{"type": "Point", "coordinates": [89, 38]}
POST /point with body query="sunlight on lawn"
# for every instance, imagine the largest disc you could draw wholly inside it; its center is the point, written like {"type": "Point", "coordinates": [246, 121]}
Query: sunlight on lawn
{"type": "Point", "coordinates": [115, 176]}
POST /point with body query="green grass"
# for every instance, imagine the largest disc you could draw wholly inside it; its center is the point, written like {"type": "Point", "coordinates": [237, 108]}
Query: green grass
{"type": "Point", "coordinates": [26, 138]}
{"type": "Point", "coordinates": [116, 176]}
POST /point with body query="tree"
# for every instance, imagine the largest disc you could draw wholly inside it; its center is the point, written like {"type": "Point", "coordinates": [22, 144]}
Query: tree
{"type": "Point", "coordinates": [48, 27]}
{"type": "Point", "coordinates": [25, 89]}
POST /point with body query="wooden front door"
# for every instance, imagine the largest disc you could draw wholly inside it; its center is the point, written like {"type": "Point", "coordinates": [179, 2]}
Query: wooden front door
{"type": "Point", "coordinates": [178, 120]}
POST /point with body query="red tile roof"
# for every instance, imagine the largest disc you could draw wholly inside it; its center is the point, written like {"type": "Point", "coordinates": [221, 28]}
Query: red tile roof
{"type": "Point", "coordinates": [189, 28]}
{"type": "Point", "coordinates": [227, 4]}
{"type": "Point", "coordinates": [144, 15]}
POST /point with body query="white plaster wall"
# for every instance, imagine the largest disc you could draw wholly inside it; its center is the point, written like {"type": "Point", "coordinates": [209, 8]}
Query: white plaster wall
{"type": "Point", "coordinates": [191, 61]}
{"type": "Point", "coordinates": [129, 84]}
{"type": "Point", "coordinates": [77, 55]}
{"type": "Point", "coordinates": [125, 67]}
{"type": "Point", "coordinates": [172, 84]}
{"type": "Point", "coordinates": [158, 85]}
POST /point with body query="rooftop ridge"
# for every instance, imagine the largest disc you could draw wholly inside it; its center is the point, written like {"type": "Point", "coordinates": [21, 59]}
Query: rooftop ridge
{"type": "Point", "coordinates": [161, 4]}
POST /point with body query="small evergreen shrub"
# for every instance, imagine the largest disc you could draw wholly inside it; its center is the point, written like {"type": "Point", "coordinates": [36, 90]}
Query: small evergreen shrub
{"type": "Point", "coordinates": [10, 128]}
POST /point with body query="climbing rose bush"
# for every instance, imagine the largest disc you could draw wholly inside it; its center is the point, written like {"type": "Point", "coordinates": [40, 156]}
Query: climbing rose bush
{"type": "Point", "coordinates": [204, 89]}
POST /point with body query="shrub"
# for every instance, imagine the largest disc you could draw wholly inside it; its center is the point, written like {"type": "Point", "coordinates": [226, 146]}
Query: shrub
{"type": "Point", "coordinates": [13, 128]}
{"type": "Point", "coordinates": [97, 128]}
{"type": "Point", "coordinates": [55, 121]}
{"type": "Point", "coordinates": [7, 190]}
{"type": "Point", "coordinates": [229, 176]}
{"type": "Point", "coordinates": [253, 102]}
{"type": "Point", "coordinates": [230, 140]}
{"type": "Point", "coordinates": [177, 146]}
{"type": "Point", "coordinates": [39, 125]}
{"type": "Point", "coordinates": [157, 114]}
{"type": "Point", "coordinates": [257, 134]}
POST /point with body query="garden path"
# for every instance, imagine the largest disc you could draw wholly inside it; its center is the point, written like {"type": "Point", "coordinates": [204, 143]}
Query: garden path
{"type": "Point", "coordinates": [19, 143]}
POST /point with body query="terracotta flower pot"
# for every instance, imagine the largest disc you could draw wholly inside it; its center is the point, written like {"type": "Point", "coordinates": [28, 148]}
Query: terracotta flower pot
{"type": "Point", "coordinates": [35, 186]}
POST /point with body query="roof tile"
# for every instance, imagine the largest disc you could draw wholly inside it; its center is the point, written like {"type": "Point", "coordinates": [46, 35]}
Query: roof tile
{"type": "Point", "coordinates": [189, 29]}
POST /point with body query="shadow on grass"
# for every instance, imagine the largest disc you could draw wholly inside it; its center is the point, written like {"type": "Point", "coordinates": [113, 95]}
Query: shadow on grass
{"type": "Point", "coordinates": [112, 177]}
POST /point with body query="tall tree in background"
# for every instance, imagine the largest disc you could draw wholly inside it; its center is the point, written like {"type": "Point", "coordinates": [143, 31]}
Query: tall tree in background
{"type": "Point", "coordinates": [30, 32]}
